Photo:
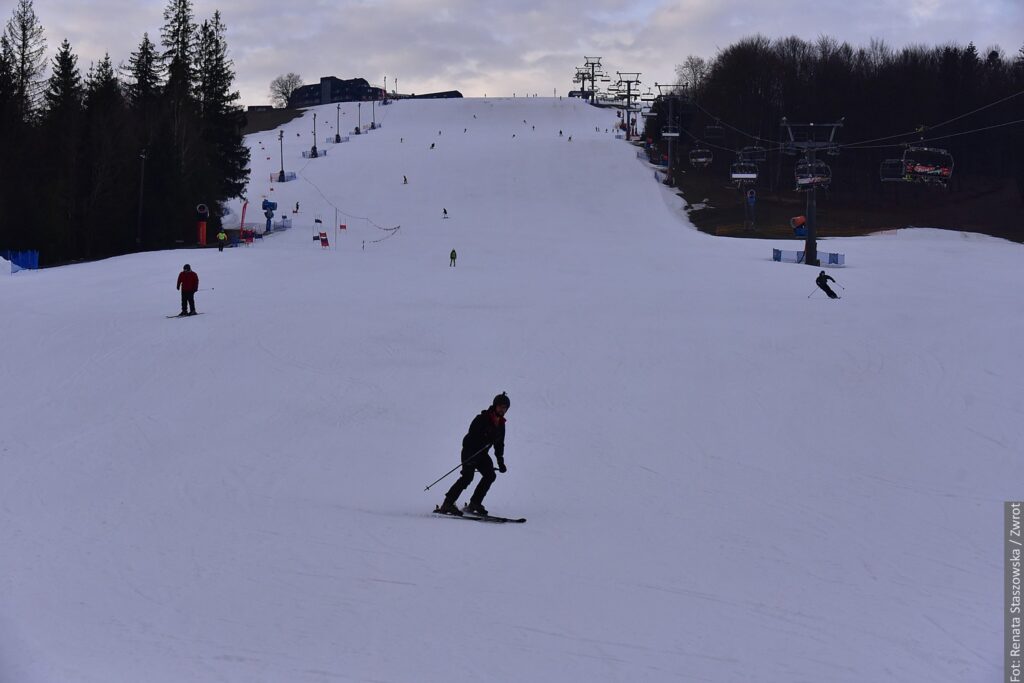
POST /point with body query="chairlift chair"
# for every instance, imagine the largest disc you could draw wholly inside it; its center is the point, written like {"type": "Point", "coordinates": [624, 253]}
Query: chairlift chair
{"type": "Point", "coordinates": [670, 131]}
{"type": "Point", "coordinates": [700, 157]}
{"type": "Point", "coordinates": [809, 175]}
{"type": "Point", "coordinates": [742, 172]}
{"type": "Point", "coordinates": [928, 165]}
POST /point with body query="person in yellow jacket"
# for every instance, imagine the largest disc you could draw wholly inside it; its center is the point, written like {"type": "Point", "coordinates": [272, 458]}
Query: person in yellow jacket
{"type": "Point", "coordinates": [222, 239]}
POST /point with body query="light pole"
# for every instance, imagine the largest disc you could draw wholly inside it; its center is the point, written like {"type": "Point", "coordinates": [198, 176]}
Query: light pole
{"type": "Point", "coordinates": [280, 137]}
{"type": "Point", "coordinates": [142, 180]}
{"type": "Point", "coordinates": [359, 114]}
{"type": "Point", "coordinates": [337, 126]}
{"type": "Point", "coordinates": [312, 152]}
{"type": "Point", "coordinates": [373, 111]}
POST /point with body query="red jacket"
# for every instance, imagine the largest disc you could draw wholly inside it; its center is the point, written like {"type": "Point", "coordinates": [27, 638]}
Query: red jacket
{"type": "Point", "coordinates": [188, 281]}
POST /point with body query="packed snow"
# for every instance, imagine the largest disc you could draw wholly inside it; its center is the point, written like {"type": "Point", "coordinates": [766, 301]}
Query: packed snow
{"type": "Point", "coordinates": [725, 478]}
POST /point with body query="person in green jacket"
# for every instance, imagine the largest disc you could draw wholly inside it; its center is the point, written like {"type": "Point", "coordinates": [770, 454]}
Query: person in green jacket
{"type": "Point", "coordinates": [222, 239]}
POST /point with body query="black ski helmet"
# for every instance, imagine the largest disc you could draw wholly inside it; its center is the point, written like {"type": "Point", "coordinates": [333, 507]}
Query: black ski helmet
{"type": "Point", "coordinates": [187, 267]}
{"type": "Point", "coordinates": [501, 400]}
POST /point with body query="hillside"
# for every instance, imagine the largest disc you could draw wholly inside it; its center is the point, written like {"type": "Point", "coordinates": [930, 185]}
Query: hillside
{"type": "Point", "coordinates": [725, 479]}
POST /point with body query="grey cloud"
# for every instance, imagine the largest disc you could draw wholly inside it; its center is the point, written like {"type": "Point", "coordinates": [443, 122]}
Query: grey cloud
{"type": "Point", "coordinates": [500, 47]}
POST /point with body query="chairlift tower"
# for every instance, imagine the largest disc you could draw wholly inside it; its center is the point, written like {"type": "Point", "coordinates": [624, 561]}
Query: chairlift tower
{"type": "Point", "coordinates": [671, 130]}
{"type": "Point", "coordinates": [629, 79]}
{"type": "Point", "coordinates": [593, 63]}
{"type": "Point", "coordinates": [808, 139]}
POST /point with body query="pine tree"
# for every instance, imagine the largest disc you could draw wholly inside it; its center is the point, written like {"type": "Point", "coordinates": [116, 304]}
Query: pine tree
{"type": "Point", "coordinates": [175, 147]}
{"type": "Point", "coordinates": [59, 182]}
{"type": "Point", "coordinates": [9, 132]}
{"type": "Point", "coordinates": [108, 151]}
{"type": "Point", "coordinates": [7, 85]}
{"type": "Point", "coordinates": [144, 74]}
{"type": "Point", "coordinates": [64, 92]}
{"type": "Point", "coordinates": [179, 40]}
{"type": "Point", "coordinates": [27, 47]}
{"type": "Point", "coordinates": [228, 158]}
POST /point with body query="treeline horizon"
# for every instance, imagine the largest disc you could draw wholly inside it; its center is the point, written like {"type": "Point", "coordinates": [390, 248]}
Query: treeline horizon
{"type": "Point", "coordinates": [117, 160]}
{"type": "Point", "coordinates": [946, 96]}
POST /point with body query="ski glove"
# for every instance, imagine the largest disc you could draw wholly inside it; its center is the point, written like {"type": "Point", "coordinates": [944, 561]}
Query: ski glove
{"type": "Point", "coordinates": [501, 467]}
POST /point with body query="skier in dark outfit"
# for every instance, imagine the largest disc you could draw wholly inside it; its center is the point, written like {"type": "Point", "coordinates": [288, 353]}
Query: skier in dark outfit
{"type": "Point", "coordinates": [822, 281]}
{"type": "Point", "coordinates": [188, 283]}
{"type": "Point", "coordinates": [487, 429]}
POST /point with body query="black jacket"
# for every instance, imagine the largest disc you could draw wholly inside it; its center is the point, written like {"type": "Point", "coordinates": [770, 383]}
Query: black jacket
{"type": "Point", "coordinates": [486, 429]}
{"type": "Point", "coordinates": [823, 279]}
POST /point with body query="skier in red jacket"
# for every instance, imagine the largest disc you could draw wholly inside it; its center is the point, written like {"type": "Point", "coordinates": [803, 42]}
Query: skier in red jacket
{"type": "Point", "coordinates": [188, 283]}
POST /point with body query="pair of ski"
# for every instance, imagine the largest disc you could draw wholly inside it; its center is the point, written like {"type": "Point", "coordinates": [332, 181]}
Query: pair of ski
{"type": "Point", "coordinates": [480, 518]}
{"type": "Point", "coordinates": [184, 316]}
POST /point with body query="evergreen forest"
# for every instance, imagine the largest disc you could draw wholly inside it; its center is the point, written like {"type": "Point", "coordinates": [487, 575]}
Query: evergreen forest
{"type": "Point", "coordinates": [118, 158]}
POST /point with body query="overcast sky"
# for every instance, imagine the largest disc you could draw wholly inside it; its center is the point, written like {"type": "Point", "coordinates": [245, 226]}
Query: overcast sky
{"type": "Point", "coordinates": [501, 47]}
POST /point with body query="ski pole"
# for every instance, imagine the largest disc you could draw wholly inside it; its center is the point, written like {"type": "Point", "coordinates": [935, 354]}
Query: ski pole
{"type": "Point", "coordinates": [841, 287]}
{"type": "Point", "coordinates": [458, 466]}
{"type": "Point", "coordinates": [812, 293]}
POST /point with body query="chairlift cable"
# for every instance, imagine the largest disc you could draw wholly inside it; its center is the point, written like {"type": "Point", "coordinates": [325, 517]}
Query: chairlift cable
{"type": "Point", "coordinates": [862, 144]}
{"type": "Point", "coordinates": [855, 145]}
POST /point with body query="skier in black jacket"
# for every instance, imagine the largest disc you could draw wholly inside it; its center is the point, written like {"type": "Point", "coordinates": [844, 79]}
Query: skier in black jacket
{"type": "Point", "coordinates": [487, 429]}
{"type": "Point", "coordinates": [822, 281]}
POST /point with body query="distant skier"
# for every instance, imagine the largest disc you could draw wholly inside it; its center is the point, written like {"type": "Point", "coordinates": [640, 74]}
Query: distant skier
{"type": "Point", "coordinates": [405, 181]}
{"type": "Point", "coordinates": [431, 145]}
{"type": "Point", "coordinates": [296, 208]}
{"type": "Point", "coordinates": [453, 256]}
{"type": "Point", "coordinates": [188, 283]}
{"type": "Point", "coordinates": [822, 281]}
{"type": "Point", "coordinates": [486, 430]}
{"type": "Point", "coordinates": [222, 239]}
{"type": "Point", "coordinates": [444, 213]}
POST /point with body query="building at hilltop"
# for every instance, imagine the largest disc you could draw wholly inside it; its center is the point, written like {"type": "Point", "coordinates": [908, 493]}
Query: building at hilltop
{"type": "Point", "coordinates": [332, 89]}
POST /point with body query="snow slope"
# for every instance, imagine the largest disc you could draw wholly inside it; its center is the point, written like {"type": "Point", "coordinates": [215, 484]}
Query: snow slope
{"type": "Point", "coordinates": [725, 480]}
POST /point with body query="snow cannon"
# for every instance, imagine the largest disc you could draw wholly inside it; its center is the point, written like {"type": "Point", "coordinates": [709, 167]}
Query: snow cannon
{"type": "Point", "coordinates": [202, 213]}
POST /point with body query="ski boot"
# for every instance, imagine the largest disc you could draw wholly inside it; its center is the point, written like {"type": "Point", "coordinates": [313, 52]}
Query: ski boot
{"type": "Point", "coordinates": [448, 507]}
{"type": "Point", "coordinates": [476, 509]}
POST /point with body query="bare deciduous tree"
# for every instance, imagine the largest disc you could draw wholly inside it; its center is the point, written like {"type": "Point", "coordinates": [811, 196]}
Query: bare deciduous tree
{"type": "Point", "coordinates": [281, 88]}
{"type": "Point", "coordinates": [692, 72]}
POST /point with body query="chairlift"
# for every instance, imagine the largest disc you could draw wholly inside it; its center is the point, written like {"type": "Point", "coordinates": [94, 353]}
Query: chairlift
{"type": "Point", "coordinates": [670, 131]}
{"type": "Point", "coordinates": [700, 157]}
{"type": "Point", "coordinates": [742, 172]}
{"type": "Point", "coordinates": [813, 174]}
{"type": "Point", "coordinates": [891, 171]}
{"type": "Point", "coordinates": [754, 153]}
{"type": "Point", "coordinates": [927, 165]}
